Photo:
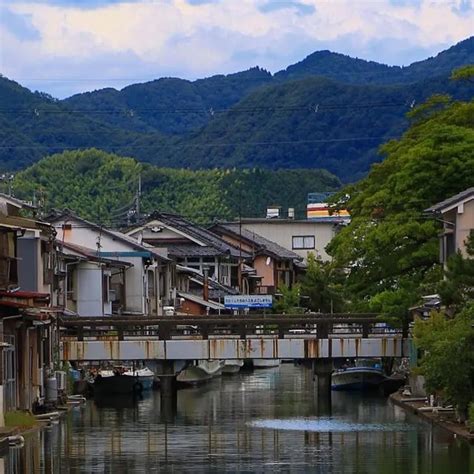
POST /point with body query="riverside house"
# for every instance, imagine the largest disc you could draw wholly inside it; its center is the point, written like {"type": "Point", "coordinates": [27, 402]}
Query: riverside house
{"type": "Point", "coordinates": [271, 264]}
{"type": "Point", "coordinates": [87, 284]}
{"type": "Point", "coordinates": [193, 246]}
{"type": "Point", "coordinates": [457, 216]}
{"type": "Point", "coordinates": [136, 278]}
{"type": "Point", "coordinates": [28, 292]}
{"type": "Point", "coordinates": [300, 236]}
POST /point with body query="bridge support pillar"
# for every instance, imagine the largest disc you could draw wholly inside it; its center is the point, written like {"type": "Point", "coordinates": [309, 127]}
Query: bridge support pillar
{"type": "Point", "coordinates": [168, 389]}
{"type": "Point", "coordinates": [322, 369]}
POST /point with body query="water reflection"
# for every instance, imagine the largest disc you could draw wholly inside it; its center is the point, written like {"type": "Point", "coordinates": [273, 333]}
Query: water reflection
{"type": "Point", "coordinates": [263, 421]}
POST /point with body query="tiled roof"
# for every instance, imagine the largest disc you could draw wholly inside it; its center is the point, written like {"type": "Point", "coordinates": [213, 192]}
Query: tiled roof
{"type": "Point", "coordinates": [199, 233]}
{"type": "Point", "coordinates": [262, 244]}
{"type": "Point", "coordinates": [440, 206]}
{"type": "Point", "coordinates": [189, 250]}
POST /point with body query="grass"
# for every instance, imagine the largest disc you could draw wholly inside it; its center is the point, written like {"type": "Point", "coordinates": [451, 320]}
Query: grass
{"type": "Point", "coordinates": [21, 419]}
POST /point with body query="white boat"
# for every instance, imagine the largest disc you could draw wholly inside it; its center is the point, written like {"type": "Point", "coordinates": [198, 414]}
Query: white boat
{"type": "Point", "coordinates": [232, 366]}
{"type": "Point", "coordinates": [145, 377]}
{"type": "Point", "coordinates": [265, 363]}
{"type": "Point", "coordinates": [366, 374]}
{"type": "Point", "coordinates": [200, 372]}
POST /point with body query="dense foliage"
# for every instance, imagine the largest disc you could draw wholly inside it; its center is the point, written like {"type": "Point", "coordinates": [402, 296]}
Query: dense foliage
{"type": "Point", "coordinates": [448, 362]}
{"type": "Point", "coordinates": [390, 248]}
{"type": "Point", "coordinates": [297, 120]}
{"type": "Point", "coordinates": [103, 187]}
{"type": "Point", "coordinates": [457, 288]}
{"type": "Point", "coordinates": [322, 286]}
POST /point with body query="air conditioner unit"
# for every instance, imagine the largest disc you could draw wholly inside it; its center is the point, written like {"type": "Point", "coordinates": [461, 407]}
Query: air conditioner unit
{"type": "Point", "coordinates": [61, 380]}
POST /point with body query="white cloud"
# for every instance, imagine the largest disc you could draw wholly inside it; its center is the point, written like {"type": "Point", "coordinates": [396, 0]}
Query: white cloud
{"type": "Point", "coordinates": [193, 38]}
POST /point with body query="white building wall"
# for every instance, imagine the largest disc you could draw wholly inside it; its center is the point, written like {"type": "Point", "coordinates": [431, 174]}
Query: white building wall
{"type": "Point", "coordinates": [135, 278]}
{"type": "Point", "coordinates": [282, 232]}
{"type": "Point", "coordinates": [89, 290]}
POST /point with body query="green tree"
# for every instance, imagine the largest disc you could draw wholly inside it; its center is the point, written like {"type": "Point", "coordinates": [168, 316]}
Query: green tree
{"type": "Point", "coordinates": [465, 73]}
{"type": "Point", "coordinates": [390, 248]}
{"type": "Point", "coordinates": [322, 285]}
{"type": "Point", "coordinates": [448, 356]}
{"type": "Point", "coordinates": [289, 300]}
{"type": "Point", "coordinates": [458, 286]}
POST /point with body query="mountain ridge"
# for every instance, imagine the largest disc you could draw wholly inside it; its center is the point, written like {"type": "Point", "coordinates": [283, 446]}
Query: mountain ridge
{"type": "Point", "coordinates": [250, 118]}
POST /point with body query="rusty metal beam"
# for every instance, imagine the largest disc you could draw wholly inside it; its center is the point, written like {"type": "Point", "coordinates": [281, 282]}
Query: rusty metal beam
{"type": "Point", "coordinates": [255, 348]}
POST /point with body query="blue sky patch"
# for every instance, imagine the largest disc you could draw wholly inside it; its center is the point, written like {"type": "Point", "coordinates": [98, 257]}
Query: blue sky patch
{"type": "Point", "coordinates": [300, 8]}
{"type": "Point", "coordinates": [19, 25]}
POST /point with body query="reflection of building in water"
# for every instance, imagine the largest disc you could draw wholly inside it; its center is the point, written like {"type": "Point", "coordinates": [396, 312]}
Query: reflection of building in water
{"type": "Point", "coordinates": [213, 432]}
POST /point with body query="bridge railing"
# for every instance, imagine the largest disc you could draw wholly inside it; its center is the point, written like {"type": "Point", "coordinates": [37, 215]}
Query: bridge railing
{"type": "Point", "coordinates": [321, 326]}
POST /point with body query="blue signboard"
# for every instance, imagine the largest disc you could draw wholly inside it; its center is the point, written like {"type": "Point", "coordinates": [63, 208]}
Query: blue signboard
{"type": "Point", "coordinates": [248, 301]}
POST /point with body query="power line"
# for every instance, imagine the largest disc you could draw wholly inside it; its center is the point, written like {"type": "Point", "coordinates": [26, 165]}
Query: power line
{"type": "Point", "coordinates": [198, 145]}
{"type": "Point", "coordinates": [310, 108]}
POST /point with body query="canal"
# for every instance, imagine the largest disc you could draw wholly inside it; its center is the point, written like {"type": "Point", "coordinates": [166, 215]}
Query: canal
{"type": "Point", "coordinates": [265, 421]}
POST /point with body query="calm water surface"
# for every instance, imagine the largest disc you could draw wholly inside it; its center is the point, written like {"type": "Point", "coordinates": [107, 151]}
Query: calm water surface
{"type": "Point", "coordinates": [265, 421]}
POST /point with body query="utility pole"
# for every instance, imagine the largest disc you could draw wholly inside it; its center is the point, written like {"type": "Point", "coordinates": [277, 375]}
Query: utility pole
{"type": "Point", "coordinates": [240, 238]}
{"type": "Point", "coordinates": [139, 193]}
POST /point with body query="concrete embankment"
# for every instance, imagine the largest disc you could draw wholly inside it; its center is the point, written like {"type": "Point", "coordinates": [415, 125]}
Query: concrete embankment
{"type": "Point", "coordinates": [440, 417]}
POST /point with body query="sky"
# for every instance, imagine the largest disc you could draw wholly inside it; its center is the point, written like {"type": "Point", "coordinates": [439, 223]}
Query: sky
{"type": "Point", "coordinates": [64, 47]}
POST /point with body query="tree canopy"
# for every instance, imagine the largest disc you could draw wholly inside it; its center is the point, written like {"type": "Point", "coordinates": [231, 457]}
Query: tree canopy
{"type": "Point", "coordinates": [103, 187]}
{"type": "Point", "coordinates": [390, 248]}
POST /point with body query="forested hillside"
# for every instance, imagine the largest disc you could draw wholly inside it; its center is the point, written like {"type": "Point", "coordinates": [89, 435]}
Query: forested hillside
{"type": "Point", "coordinates": [295, 119]}
{"type": "Point", "coordinates": [169, 105]}
{"type": "Point", "coordinates": [103, 187]}
{"type": "Point", "coordinates": [309, 123]}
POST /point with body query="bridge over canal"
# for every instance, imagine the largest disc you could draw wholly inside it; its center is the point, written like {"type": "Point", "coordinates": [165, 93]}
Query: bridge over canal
{"type": "Point", "coordinates": [172, 342]}
{"type": "Point", "coordinates": [319, 336]}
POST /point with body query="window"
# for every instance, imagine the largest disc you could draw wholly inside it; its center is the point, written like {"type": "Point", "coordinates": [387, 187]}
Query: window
{"type": "Point", "coordinates": [303, 242]}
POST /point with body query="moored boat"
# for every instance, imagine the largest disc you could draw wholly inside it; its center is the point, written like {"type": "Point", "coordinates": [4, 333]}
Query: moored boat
{"type": "Point", "coordinates": [232, 366]}
{"type": "Point", "coordinates": [145, 377]}
{"type": "Point", "coordinates": [200, 372]}
{"type": "Point", "coordinates": [106, 383]}
{"type": "Point", "coordinates": [265, 363]}
{"type": "Point", "coordinates": [365, 375]}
